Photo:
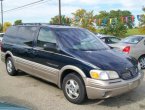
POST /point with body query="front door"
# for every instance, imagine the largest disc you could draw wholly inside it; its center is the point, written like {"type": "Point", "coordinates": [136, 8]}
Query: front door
{"type": "Point", "coordinates": [46, 65]}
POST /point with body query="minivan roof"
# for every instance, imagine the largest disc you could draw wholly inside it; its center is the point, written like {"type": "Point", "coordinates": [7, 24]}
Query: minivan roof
{"type": "Point", "coordinates": [46, 25]}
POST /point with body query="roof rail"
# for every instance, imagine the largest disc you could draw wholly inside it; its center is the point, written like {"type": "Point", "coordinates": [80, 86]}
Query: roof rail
{"type": "Point", "coordinates": [33, 23]}
{"type": "Point", "coordinates": [38, 24]}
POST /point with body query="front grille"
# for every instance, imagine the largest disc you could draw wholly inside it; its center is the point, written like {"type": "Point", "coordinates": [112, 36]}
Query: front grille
{"type": "Point", "coordinates": [130, 73]}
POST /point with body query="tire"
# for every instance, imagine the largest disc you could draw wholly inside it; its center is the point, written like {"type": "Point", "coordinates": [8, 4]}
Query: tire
{"type": "Point", "coordinates": [74, 88]}
{"type": "Point", "coordinates": [10, 67]}
{"type": "Point", "coordinates": [142, 62]}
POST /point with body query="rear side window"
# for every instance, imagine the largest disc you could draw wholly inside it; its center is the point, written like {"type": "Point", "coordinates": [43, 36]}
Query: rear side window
{"type": "Point", "coordinates": [21, 35]}
{"type": "Point", "coordinates": [45, 36]}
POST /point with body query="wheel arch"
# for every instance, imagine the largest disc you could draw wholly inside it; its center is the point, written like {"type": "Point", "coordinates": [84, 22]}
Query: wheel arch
{"type": "Point", "coordinates": [141, 56]}
{"type": "Point", "coordinates": [8, 54]}
{"type": "Point", "coordinates": [69, 69]}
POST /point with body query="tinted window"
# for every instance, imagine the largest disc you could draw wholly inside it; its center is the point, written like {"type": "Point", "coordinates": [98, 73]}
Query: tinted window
{"type": "Point", "coordinates": [112, 40]}
{"type": "Point", "coordinates": [103, 39]}
{"type": "Point", "coordinates": [22, 35]}
{"type": "Point", "coordinates": [132, 40]}
{"type": "Point", "coordinates": [1, 35]}
{"type": "Point", "coordinates": [79, 39]}
{"type": "Point", "coordinates": [46, 36]}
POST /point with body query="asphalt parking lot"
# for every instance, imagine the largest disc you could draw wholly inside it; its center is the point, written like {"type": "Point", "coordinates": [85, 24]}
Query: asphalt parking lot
{"type": "Point", "coordinates": [37, 94]}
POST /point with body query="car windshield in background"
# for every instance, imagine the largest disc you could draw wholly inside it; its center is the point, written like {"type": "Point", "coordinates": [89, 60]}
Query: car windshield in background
{"type": "Point", "coordinates": [80, 39]}
{"type": "Point", "coordinates": [132, 40]}
{"type": "Point", "coordinates": [114, 39]}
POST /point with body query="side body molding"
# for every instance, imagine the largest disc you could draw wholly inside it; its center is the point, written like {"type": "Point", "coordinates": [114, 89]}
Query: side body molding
{"type": "Point", "coordinates": [70, 67]}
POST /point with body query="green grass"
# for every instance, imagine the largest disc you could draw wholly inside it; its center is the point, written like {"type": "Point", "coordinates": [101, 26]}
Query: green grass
{"type": "Point", "coordinates": [133, 32]}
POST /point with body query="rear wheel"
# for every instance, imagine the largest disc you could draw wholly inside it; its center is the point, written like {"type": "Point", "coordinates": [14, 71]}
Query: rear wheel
{"type": "Point", "coordinates": [10, 67]}
{"type": "Point", "coordinates": [142, 62]}
{"type": "Point", "coordinates": [74, 89]}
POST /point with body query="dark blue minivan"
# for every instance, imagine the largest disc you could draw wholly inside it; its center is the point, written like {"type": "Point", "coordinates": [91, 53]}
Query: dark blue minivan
{"type": "Point", "coordinates": [72, 58]}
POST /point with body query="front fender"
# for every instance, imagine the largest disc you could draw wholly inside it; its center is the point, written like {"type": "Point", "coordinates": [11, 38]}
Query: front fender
{"type": "Point", "coordinates": [70, 67]}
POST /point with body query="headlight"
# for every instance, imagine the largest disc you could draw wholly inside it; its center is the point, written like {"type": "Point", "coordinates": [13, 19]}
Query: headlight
{"type": "Point", "coordinates": [139, 67]}
{"type": "Point", "coordinates": [103, 75]}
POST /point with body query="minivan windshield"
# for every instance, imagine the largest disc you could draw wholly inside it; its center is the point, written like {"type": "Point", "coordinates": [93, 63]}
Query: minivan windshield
{"type": "Point", "coordinates": [79, 39]}
{"type": "Point", "coordinates": [132, 40]}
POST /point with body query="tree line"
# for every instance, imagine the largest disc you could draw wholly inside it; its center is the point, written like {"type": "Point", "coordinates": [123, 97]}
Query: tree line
{"type": "Point", "coordinates": [142, 23]}
{"type": "Point", "coordinates": [8, 24]}
{"type": "Point", "coordinates": [85, 19]}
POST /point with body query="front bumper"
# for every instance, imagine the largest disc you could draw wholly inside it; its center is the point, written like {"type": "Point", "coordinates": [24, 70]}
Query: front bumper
{"type": "Point", "coordinates": [97, 89]}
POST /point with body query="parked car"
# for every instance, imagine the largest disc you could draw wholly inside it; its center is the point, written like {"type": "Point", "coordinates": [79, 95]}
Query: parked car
{"type": "Point", "coordinates": [1, 37]}
{"type": "Point", "coordinates": [133, 46]}
{"type": "Point", "coordinates": [72, 58]}
{"type": "Point", "coordinates": [6, 106]}
{"type": "Point", "coordinates": [108, 39]}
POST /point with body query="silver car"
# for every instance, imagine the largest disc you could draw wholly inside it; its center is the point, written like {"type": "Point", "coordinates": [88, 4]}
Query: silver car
{"type": "Point", "coordinates": [133, 46]}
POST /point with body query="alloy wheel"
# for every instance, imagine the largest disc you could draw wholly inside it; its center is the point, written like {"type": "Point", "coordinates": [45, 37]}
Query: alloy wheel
{"type": "Point", "coordinates": [9, 66]}
{"type": "Point", "coordinates": [72, 89]}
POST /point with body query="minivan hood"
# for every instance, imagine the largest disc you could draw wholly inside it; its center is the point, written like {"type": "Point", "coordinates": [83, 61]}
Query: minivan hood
{"type": "Point", "coordinates": [106, 59]}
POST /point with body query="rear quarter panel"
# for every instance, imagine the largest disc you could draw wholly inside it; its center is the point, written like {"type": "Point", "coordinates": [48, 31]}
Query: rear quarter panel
{"type": "Point", "coordinates": [138, 49]}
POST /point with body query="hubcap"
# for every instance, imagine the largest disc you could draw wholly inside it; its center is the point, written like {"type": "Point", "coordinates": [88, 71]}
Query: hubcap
{"type": "Point", "coordinates": [72, 89]}
{"type": "Point", "coordinates": [142, 62]}
{"type": "Point", "coordinates": [9, 66]}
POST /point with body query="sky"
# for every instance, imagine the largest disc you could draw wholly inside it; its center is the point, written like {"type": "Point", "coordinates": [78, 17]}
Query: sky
{"type": "Point", "coordinates": [43, 12]}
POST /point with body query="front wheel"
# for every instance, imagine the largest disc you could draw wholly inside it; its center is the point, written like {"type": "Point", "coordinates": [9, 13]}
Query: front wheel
{"type": "Point", "coordinates": [74, 89]}
{"type": "Point", "coordinates": [10, 67]}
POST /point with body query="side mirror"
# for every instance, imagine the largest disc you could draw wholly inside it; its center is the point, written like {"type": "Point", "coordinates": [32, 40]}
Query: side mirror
{"type": "Point", "coordinates": [50, 46]}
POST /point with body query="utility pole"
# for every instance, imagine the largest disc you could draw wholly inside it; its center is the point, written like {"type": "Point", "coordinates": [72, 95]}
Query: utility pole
{"type": "Point", "coordinates": [2, 13]}
{"type": "Point", "coordinates": [59, 11]}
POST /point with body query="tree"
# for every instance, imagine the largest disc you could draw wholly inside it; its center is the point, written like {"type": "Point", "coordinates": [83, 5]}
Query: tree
{"type": "Point", "coordinates": [65, 20]}
{"type": "Point", "coordinates": [6, 25]}
{"type": "Point", "coordinates": [0, 27]}
{"type": "Point", "coordinates": [119, 26]}
{"type": "Point", "coordinates": [142, 23]}
{"type": "Point", "coordinates": [117, 15]}
{"type": "Point", "coordinates": [84, 19]}
{"type": "Point", "coordinates": [143, 9]}
{"type": "Point", "coordinates": [117, 30]}
{"type": "Point", "coordinates": [18, 22]}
